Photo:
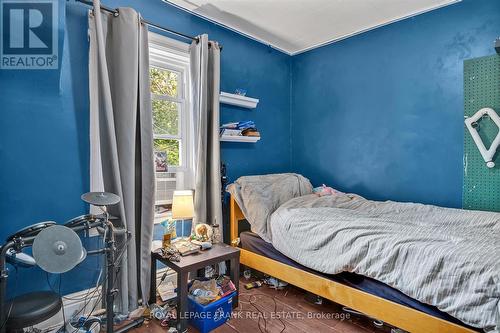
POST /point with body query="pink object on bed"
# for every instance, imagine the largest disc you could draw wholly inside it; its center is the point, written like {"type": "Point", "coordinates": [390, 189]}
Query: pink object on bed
{"type": "Point", "coordinates": [325, 190]}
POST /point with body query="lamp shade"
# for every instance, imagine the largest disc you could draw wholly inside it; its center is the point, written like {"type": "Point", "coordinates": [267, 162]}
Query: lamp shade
{"type": "Point", "coordinates": [182, 205]}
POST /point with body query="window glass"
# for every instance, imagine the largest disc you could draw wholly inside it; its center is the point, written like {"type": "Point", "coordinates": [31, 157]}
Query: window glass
{"type": "Point", "coordinates": [164, 82]}
{"type": "Point", "coordinates": [171, 148]}
{"type": "Point", "coordinates": [165, 117]}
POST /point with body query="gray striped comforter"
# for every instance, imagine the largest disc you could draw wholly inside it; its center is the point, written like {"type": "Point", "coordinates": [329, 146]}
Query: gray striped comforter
{"type": "Point", "coordinates": [448, 258]}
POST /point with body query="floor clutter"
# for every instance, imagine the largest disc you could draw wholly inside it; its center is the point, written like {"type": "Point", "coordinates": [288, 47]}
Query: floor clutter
{"type": "Point", "coordinates": [209, 305]}
{"type": "Point", "coordinates": [205, 292]}
{"type": "Point", "coordinates": [270, 310]}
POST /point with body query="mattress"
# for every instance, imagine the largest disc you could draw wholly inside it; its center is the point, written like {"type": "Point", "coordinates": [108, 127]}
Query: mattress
{"type": "Point", "coordinates": [253, 243]}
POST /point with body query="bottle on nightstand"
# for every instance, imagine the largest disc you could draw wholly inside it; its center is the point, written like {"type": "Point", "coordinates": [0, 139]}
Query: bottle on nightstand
{"type": "Point", "coordinates": [216, 236]}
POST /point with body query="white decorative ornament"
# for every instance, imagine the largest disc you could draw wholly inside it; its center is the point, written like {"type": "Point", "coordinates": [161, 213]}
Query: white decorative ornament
{"type": "Point", "coordinates": [489, 153]}
{"type": "Point", "coordinates": [203, 232]}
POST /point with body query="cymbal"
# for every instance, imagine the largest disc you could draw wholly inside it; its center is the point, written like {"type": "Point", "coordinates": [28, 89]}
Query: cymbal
{"type": "Point", "coordinates": [58, 249]}
{"type": "Point", "coordinates": [101, 198]}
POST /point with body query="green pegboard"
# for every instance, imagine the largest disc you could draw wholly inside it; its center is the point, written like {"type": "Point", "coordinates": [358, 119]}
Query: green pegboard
{"type": "Point", "coordinates": [481, 189]}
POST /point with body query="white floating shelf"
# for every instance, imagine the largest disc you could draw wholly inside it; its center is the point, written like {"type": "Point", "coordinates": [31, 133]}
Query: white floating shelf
{"type": "Point", "coordinates": [239, 138]}
{"type": "Point", "coordinates": [238, 100]}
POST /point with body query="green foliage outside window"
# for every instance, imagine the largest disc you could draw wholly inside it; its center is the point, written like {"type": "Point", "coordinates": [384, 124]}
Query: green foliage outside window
{"type": "Point", "coordinates": [165, 117]}
{"type": "Point", "coordinates": [172, 149]}
{"type": "Point", "coordinates": [164, 82]}
{"type": "Point", "coordinates": [165, 113]}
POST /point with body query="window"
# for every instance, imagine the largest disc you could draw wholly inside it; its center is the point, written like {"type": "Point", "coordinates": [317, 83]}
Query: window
{"type": "Point", "coordinates": [169, 77]}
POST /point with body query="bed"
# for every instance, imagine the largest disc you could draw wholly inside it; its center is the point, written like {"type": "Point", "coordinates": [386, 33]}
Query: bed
{"type": "Point", "coordinates": [361, 293]}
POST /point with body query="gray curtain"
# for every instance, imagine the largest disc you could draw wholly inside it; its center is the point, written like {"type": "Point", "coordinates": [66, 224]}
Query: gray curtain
{"type": "Point", "coordinates": [121, 109]}
{"type": "Point", "coordinates": [205, 88]}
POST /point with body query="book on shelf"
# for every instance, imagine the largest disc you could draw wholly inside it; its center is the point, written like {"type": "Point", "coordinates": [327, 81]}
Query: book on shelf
{"type": "Point", "coordinates": [250, 132]}
{"type": "Point", "coordinates": [230, 132]}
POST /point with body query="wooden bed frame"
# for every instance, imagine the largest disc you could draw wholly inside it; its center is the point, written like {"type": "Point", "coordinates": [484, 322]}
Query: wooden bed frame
{"type": "Point", "coordinates": [392, 313]}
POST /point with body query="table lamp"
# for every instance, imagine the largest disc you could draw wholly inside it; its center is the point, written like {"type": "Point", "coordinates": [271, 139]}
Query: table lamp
{"type": "Point", "coordinates": [182, 206]}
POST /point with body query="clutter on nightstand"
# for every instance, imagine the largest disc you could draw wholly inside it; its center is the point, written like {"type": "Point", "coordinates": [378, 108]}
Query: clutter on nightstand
{"type": "Point", "coordinates": [170, 253]}
{"type": "Point", "coordinates": [168, 232]}
{"type": "Point", "coordinates": [204, 245]}
{"type": "Point", "coordinates": [185, 247]}
{"type": "Point", "coordinates": [203, 232]}
{"type": "Point", "coordinates": [203, 236]}
{"type": "Point", "coordinates": [220, 296]}
{"type": "Point", "coordinates": [216, 237]}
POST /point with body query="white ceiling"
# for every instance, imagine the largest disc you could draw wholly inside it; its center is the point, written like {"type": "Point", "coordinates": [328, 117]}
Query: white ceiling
{"type": "Point", "coordinates": [295, 26]}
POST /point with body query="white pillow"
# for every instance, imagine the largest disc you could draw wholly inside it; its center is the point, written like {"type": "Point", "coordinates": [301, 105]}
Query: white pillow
{"type": "Point", "coordinates": [260, 196]}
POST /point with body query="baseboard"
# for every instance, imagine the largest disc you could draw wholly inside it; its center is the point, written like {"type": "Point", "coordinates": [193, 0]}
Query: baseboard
{"type": "Point", "coordinates": [75, 303]}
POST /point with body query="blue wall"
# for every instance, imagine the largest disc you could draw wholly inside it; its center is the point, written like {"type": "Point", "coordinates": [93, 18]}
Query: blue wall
{"type": "Point", "coordinates": [381, 114]}
{"type": "Point", "coordinates": [44, 144]}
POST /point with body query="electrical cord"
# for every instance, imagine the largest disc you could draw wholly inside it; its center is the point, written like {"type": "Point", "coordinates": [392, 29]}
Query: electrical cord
{"type": "Point", "coordinates": [164, 276]}
{"type": "Point", "coordinates": [98, 300]}
{"type": "Point", "coordinates": [62, 308]}
{"type": "Point", "coordinates": [66, 297]}
{"type": "Point", "coordinates": [122, 251]}
{"type": "Point", "coordinates": [88, 296]}
{"type": "Point", "coordinates": [90, 290]}
{"type": "Point", "coordinates": [262, 316]}
{"type": "Point", "coordinates": [88, 300]}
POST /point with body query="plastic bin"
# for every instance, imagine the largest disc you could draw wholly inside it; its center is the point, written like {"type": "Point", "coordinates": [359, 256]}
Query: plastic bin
{"type": "Point", "coordinates": [208, 317]}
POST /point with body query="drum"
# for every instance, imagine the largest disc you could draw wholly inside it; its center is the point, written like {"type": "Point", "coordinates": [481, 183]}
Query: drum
{"type": "Point", "coordinates": [20, 259]}
{"type": "Point", "coordinates": [31, 230]}
{"type": "Point", "coordinates": [79, 220]}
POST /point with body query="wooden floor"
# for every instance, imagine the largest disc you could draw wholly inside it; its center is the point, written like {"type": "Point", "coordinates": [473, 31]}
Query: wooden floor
{"type": "Point", "coordinates": [271, 311]}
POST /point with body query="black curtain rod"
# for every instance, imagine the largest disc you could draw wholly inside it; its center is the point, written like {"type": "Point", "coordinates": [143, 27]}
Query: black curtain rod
{"type": "Point", "coordinates": [114, 12]}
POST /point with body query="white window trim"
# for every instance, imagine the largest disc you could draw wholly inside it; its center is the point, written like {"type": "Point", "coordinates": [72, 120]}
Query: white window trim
{"type": "Point", "coordinates": [173, 55]}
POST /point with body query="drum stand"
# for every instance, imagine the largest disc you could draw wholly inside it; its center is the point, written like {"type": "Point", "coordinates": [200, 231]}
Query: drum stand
{"type": "Point", "coordinates": [18, 243]}
{"type": "Point", "coordinates": [111, 291]}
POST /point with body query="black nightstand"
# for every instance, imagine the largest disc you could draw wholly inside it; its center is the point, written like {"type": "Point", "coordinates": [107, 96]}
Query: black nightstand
{"type": "Point", "coordinates": [193, 263]}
